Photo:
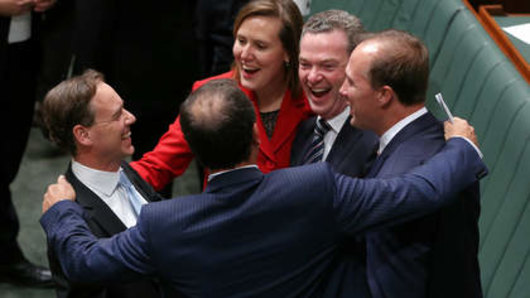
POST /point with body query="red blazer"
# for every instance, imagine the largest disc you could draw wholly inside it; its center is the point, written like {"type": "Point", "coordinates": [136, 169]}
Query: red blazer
{"type": "Point", "coordinates": [172, 155]}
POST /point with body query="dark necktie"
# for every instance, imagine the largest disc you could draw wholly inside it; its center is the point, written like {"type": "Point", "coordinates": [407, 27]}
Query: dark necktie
{"type": "Point", "coordinates": [316, 151]}
{"type": "Point", "coordinates": [134, 200]}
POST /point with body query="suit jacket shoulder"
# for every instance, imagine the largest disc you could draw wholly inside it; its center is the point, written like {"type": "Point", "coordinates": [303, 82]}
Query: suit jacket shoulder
{"type": "Point", "coordinates": [411, 147]}
{"type": "Point", "coordinates": [103, 223]}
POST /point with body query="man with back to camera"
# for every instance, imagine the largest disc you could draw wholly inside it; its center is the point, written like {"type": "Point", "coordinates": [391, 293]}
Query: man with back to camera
{"type": "Point", "coordinates": [328, 38]}
{"type": "Point", "coordinates": [250, 234]}
{"type": "Point", "coordinates": [436, 255]}
{"type": "Point", "coordinates": [86, 117]}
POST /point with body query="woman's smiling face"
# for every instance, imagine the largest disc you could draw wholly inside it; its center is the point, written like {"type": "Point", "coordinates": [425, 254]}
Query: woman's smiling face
{"type": "Point", "coordinates": [259, 53]}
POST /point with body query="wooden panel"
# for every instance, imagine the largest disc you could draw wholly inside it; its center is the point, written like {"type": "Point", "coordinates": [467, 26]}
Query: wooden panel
{"type": "Point", "coordinates": [485, 17]}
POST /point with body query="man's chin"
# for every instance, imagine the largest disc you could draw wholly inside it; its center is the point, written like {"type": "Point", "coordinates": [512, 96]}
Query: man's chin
{"type": "Point", "coordinates": [352, 121]}
{"type": "Point", "coordinates": [128, 152]}
{"type": "Point", "coordinates": [355, 123]}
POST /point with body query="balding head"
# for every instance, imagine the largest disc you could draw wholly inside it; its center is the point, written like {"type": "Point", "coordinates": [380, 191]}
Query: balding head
{"type": "Point", "coordinates": [217, 121]}
{"type": "Point", "coordinates": [402, 63]}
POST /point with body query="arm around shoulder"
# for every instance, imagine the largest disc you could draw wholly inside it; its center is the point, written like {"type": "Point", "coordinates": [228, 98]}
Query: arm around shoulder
{"type": "Point", "coordinates": [364, 204]}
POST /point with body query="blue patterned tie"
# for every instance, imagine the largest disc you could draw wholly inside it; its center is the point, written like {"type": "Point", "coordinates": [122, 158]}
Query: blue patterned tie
{"type": "Point", "coordinates": [135, 201]}
{"type": "Point", "coordinates": [316, 151]}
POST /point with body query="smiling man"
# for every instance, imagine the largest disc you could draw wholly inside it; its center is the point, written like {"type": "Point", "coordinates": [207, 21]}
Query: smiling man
{"type": "Point", "coordinates": [327, 40]}
{"type": "Point", "coordinates": [86, 117]}
{"type": "Point", "coordinates": [435, 255]}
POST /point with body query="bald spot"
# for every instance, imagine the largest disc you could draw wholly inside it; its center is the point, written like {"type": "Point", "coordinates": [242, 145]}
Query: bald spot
{"type": "Point", "coordinates": [208, 111]}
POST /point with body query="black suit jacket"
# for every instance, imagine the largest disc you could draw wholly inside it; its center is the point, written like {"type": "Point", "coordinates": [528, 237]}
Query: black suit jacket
{"type": "Point", "coordinates": [351, 153]}
{"type": "Point", "coordinates": [434, 256]}
{"type": "Point", "coordinates": [4, 27]}
{"type": "Point", "coordinates": [103, 223]}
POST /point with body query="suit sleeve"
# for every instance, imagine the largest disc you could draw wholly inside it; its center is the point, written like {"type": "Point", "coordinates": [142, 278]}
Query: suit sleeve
{"type": "Point", "coordinates": [169, 159]}
{"type": "Point", "coordinates": [84, 258]}
{"type": "Point", "coordinates": [365, 204]}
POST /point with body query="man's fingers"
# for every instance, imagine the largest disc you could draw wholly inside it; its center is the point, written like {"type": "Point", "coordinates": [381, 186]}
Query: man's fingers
{"type": "Point", "coordinates": [461, 128]}
{"type": "Point", "coordinates": [62, 180]}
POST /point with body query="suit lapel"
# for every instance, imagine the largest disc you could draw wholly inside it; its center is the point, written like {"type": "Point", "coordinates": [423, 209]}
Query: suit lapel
{"type": "Point", "coordinates": [302, 141]}
{"type": "Point", "coordinates": [289, 117]}
{"type": "Point", "coordinates": [94, 207]}
{"type": "Point", "coordinates": [415, 127]}
{"type": "Point", "coordinates": [265, 146]}
{"type": "Point", "coordinates": [348, 136]}
{"type": "Point", "coordinates": [291, 111]}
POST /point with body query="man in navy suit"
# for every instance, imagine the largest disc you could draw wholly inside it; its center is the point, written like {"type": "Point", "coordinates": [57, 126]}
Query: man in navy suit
{"type": "Point", "coordinates": [435, 255]}
{"type": "Point", "coordinates": [86, 117]}
{"type": "Point", "coordinates": [328, 38]}
{"type": "Point", "coordinates": [249, 234]}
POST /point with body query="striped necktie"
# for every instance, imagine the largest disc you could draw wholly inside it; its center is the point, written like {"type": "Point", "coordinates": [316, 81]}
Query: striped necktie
{"type": "Point", "coordinates": [316, 151]}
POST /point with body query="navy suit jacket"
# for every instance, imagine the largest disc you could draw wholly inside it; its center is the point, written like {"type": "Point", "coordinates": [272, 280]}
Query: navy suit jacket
{"type": "Point", "coordinates": [103, 223]}
{"type": "Point", "coordinates": [351, 153]}
{"type": "Point", "coordinates": [256, 235]}
{"type": "Point", "coordinates": [433, 256]}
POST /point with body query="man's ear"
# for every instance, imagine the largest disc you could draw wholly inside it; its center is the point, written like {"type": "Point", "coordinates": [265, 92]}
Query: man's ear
{"type": "Point", "coordinates": [386, 96]}
{"type": "Point", "coordinates": [82, 135]}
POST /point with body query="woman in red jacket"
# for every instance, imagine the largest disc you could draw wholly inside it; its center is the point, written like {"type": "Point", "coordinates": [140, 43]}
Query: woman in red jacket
{"type": "Point", "coordinates": [267, 35]}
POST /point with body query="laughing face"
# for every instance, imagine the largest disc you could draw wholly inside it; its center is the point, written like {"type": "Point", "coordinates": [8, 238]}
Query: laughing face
{"type": "Point", "coordinates": [323, 60]}
{"type": "Point", "coordinates": [358, 90]}
{"type": "Point", "coordinates": [259, 54]}
{"type": "Point", "coordinates": [111, 132]}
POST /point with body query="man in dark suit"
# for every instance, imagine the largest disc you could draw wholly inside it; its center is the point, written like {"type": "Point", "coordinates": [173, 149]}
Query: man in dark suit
{"type": "Point", "coordinates": [327, 41]}
{"type": "Point", "coordinates": [18, 74]}
{"type": "Point", "coordinates": [249, 234]}
{"type": "Point", "coordinates": [86, 117]}
{"type": "Point", "coordinates": [328, 38]}
{"type": "Point", "coordinates": [436, 255]}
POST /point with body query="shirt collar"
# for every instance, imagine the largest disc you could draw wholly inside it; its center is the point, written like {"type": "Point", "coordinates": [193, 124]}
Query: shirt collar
{"type": "Point", "coordinates": [102, 181]}
{"type": "Point", "coordinates": [336, 123]}
{"type": "Point", "coordinates": [396, 128]}
{"type": "Point", "coordinates": [211, 176]}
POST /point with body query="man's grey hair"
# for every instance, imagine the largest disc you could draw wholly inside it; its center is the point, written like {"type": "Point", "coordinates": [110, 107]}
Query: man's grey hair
{"type": "Point", "coordinates": [335, 19]}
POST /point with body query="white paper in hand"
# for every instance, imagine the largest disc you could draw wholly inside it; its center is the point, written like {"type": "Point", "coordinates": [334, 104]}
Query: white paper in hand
{"type": "Point", "coordinates": [441, 102]}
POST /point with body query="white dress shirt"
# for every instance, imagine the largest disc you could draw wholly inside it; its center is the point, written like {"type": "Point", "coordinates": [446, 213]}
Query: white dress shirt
{"type": "Point", "coordinates": [19, 28]}
{"type": "Point", "coordinates": [336, 123]}
{"type": "Point", "coordinates": [105, 185]}
{"type": "Point", "coordinates": [396, 128]}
